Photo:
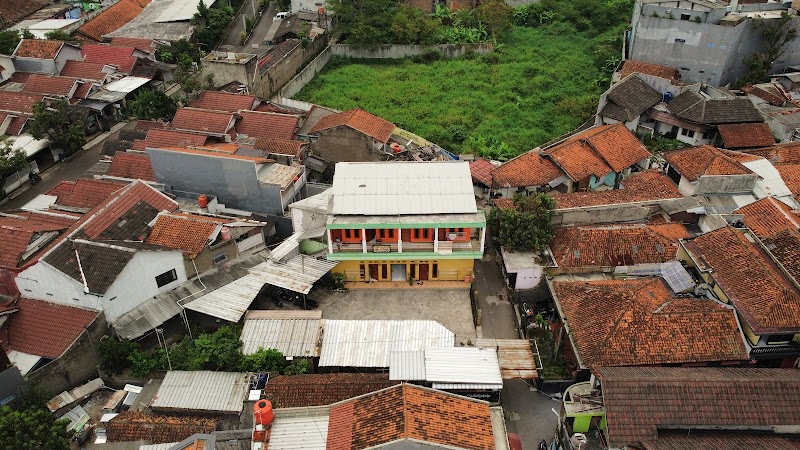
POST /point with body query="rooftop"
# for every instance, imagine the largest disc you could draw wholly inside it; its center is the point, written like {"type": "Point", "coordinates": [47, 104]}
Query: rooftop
{"type": "Point", "coordinates": [692, 163]}
{"type": "Point", "coordinates": [267, 125]}
{"type": "Point", "coordinates": [642, 187]}
{"type": "Point", "coordinates": [12, 12]}
{"type": "Point", "coordinates": [38, 48]}
{"type": "Point", "coordinates": [698, 108]}
{"type": "Point", "coordinates": [114, 209]}
{"type": "Point", "coordinates": [786, 153]}
{"type": "Point", "coordinates": [293, 333]}
{"type": "Point", "coordinates": [769, 216]}
{"type": "Point", "coordinates": [481, 171]}
{"type": "Point", "coordinates": [87, 193]}
{"type": "Point", "coordinates": [202, 391]}
{"type": "Point", "coordinates": [746, 135]}
{"type": "Point", "coordinates": [359, 120]}
{"type": "Point", "coordinates": [188, 233]}
{"type": "Point", "coordinates": [528, 169]}
{"type": "Point", "coordinates": [50, 85]}
{"type": "Point", "coordinates": [121, 57]}
{"type": "Point", "coordinates": [23, 234]}
{"type": "Point", "coordinates": [223, 101]}
{"type": "Point", "coordinates": [639, 322]}
{"type": "Point", "coordinates": [722, 440]}
{"type": "Point", "coordinates": [790, 173]}
{"type": "Point", "coordinates": [696, 397]}
{"type": "Point", "coordinates": [111, 19]}
{"type": "Point", "coordinates": [202, 121]}
{"type": "Point", "coordinates": [389, 188]}
{"type": "Point", "coordinates": [280, 146]}
{"type": "Point", "coordinates": [630, 66]}
{"type": "Point", "coordinates": [322, 389]}
{"type": "Point", "coordinates": [159, 138]}
{"type": "Point", "coordinates": [131, 165]}
{"type": "Point", "coordinates": [156, 428]}
{"type": "Point", "coordinates": [629, 98]}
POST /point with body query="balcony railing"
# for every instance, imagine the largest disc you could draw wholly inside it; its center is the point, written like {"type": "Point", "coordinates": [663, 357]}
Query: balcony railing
{"type": "Point", "coordinates": [374, 246]}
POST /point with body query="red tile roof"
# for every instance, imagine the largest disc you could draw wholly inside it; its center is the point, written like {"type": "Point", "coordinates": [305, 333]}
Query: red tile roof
{"type": "Point", "coordinates": [156, 428]}
{"type": "Point", "coordinates": [791, 176]}
{"type": "Point", "coordinates": [146, 45]}
{"type": "Point", "coordinates": [528, 169]}
{"type": "Point", "coordinates": [639, 322]}
{"type": "Point", "coordinates": [158, 138]}
{"type": "Point", "coordinates": [223, 101]}
{"type": "Point", "coordinates": [105, 214]}
{"type": "Point", "coordinates": [785, 248]}
{"type": "Point", "coordinates": [64, 186]}
{"type": "Point", "coordinates": [615, 144]}
{"type": "Point", "coordinates": [50, 85]}
{"type": "Point", "coordinates": [322, 389]}
{"type": "Point", "coordinates": [642, 401]}
{"type": "Point", "coordinates": [19, 101]}
{"type": "Point", "coordinates": [767, 301]}
{"type": "Point", "coordinates": [121, 57]}
{"type": "Point", "coordinates": [44, 329]}
{"type": "Point", "coordinates": [280, 146]}
{"type": "Point", "coordinates": [131, 165]}
{"type": "Point", "coordinates": [202, 121]}
{"type": "Point", "coordinates": [578, 160]}
{"type": "Point", "coordinates": [504, 203]}
{"type": "Point", "coordinates": [746, 135]}
{"type": "Point", "coordinates": [217, 153]}
{"type": "Point", "coordinates": [187, 233]}
{"type": "Point", "coordinates": [657, 70]}
{"type": "Point", "coordinates": [481, 171]}
{"type": "Point", "coordinates": [38, 48]}
{"type": "Point", "coordinates": [769, 216]}
{"type": "Point", "coordinates": [722, 440]}
{"type": "Point", "coordinates": [18, 230]}
{"type": "Point", "coordinates": [616, 245]}
{"type": "Point", "coordinates": [359, 120]}
{"type": "Point", "coordinates": [787, 153]}
{"type": "Point", "coordinates": [112, 19]}
{"type": "Point", "coordinates": [642, 187]}
{"type": "Point", "coordinates": [412, 413]}
{"type": "Point", "coordinates": [12, 12]}
{"type": "Point", "coordinates": [692, 163]}
{"type": "Point", "coordinates": [88, 193]}
{"type": "Point", "coordinates": [83, 70]}
{"type": "Point", "coordinates": [20, 77]}
{"type": "Point", "coordinates": [267, 125]}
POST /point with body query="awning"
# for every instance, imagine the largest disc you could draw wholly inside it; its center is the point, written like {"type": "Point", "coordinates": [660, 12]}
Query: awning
{"type": "Point", "coordinates": [297, 274]}
{"type": "Point", "coordinates": [515, 357]}
{"type": "Point", "coordinates": [28, 144]}
{"type": "Point", "coordinates": [145, 317]}
{"type": "Point", "coordinates": [96, 105]}
{"type": "Point", "coordinates": [231, 301]}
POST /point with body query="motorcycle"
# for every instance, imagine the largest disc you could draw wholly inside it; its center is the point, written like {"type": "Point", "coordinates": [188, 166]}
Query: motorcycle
{"type": "Point", "coordinates": [34, 178]}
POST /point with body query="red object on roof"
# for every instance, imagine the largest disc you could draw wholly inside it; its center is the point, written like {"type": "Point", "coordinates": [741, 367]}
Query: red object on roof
{"type": "Point", "coordinates": [202, 121]}
{"type": "Point", "coordinates": [359, 120]}
{"type": "Point", "coordinates": [121, 57]}
{"type": "Point", "coordinates": [223, 101]}
{"type": "Point", "coordinates": [88, 193]}
{"type": "Point", "coordinates": [131, 165]}
{"type": "Point", "coordinates": [746, 135]}
{"type": "Point", "coordinates": [43, 328]}
{"type": "Point", "coordinates": [50, 85]}
{"type": "Point", "coordinates": [481, 171]}
{"type": "Point", "coordinates": [112, 19]}
{"type": "Point", "coordinates": [38, 48]}
{"type": "Point", "coordinates": [159, 138]}
{"type": "Point", "coordinates": [267, 125]}
{"type": "Point", "coordinates": [106, 213]}
{"type": "Point", "coordinates": [83, 70]}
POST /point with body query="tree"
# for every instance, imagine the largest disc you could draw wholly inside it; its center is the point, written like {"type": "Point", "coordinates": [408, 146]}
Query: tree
{"type": "Point", "coordinates": [496, 14]}
{"type": "Point", "coordinates": [114, 354]}
{"type": "Point", "coordinates": [365, 23]}
{"type": "Point", "coordinates": [777, 33]}
{"type": "Point", "coordinates": [211, 23]}
{"type": "Point", "coordinates": [32, 429]}
{"type": "Point", "coordinates": [412, 26]}
{"type": "Point", "coordinates": [264, 360]}
{"type": "Point", "coordinates": [58, 35]}
{"type": "Point", "coordinates": [11, 162]}
{"type": "Point", "coordinates": [63, 125]}
{"type": "Point", "coordinates": [526, 226]}
{"type": "Point", "coordinates": [152, 104]}
{"type": "Point", "coordinates": [9, 39]}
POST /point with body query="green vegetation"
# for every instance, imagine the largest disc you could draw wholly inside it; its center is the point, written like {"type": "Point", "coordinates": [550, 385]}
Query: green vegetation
{"type": "Point", "coordinates": [151, 104]}
{"type": "Point", "coordinates": [9, 39]}
{"type": "Point", "coordinates": [58, 35]}
{"type": "Point", "coordinates": [218, 350]}
{"type": "Point", "coordinates": [11, 162]}
{"type": "Point", "coordinates": [32, 429]}
{"type": "Point", "coordinates": [658, 143]}
{"type": "Point", "coordinates": [525, 227]}
{"type": "Point", "coordinates": [62, 124]}
{"type": "Point", "coordinates": [776, 34]}
{"type": "Point", "coordinates": [211, 23]}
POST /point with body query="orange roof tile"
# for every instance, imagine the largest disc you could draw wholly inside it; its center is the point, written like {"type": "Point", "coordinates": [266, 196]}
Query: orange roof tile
{"type": "Point", "coordinates": [578, 160]}
{"type": "Point", "coordinates": [528, 169]}
{"type": "Point", "coordinates": [38, 48]}
{"type": "Point", "coordinates": [64, 186]}
{"type": "Point", "coordinates": [769, 216]}
{"type": "Point", "coordinates": [223, 101]}
{"type": "Point", "coordinates": [102, 216]}
{"type": "Point", "coordinates": [638, 322]}
{"type": "Point", "coordinates": [13, 12]}
{"type": "Point", "coordinates": [20, 228]}
{"type": "Point", "coordinates": [785, 247]}
{"type": "Point", "coordinates": [767, 300]}
{"type": "Point", "coordinates": [83, 70]}
{"type": "Point", "coordinates": [378, 128]}
{"type": "Point", "coordinates": [267, 125]}
{"type": "Point", "coordinates": [158, 138]}
{"type": "Point", "coordinates": [19, 101]}
{"type": "Point", "coordinates": [87, 193]}
{"type": "Point", "coordinates": [146, 45]}
{"type": "Point", "coordinates": [791, 176]}
{"type": "Point", "coordinates": [131, 165]}
{"type": "Point", "coordinates": [112, 19]}
{"type": "Point", "coordinates": [746, 135]}
{"type": "Point", "coordinates": [615, 144]}
{"type": "Point", "coordinates": [50, 85]}
{"type": "Point", "coordinates": [616, 245]}
{"type": "Point", "coordinates": [202, 121]}
{"type": "Point", "coordinates": [156, 428]}
{"type": "Point", "coordinates": [641, 187]}
{"type": "Point", "coordinates": [787, 153]}
{"type": "Point", "coordinates": [504, 203]}
{"type": "Point", "coordinates": [121, 57]}
{"type": "Point", "coordinates": [657, 70]}
{"type": "Point", "coordinates": [205, 151]}
{"type": "Point", "coordinates": [280, 146]}
{"type": "Point", "coordinates": [481, 171]}
{"type": "Point", "coordinates": [692, 163]}
{"type": "Point", "coordinates": [295, 391]}
{"type": "Point", "coordinates": [183, 232]}
{"type": "Point", "coordinates": [413, 413]}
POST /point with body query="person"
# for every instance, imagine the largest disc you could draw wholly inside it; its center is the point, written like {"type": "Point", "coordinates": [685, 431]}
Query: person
{"type": "Point", "coordinates": [543, 445]}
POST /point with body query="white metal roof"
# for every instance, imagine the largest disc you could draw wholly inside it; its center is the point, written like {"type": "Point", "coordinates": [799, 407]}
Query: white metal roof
{"type": "Point", "coordinates": [297, 274]}
{"type": "Point", "coordinates": [407, 366]}
{"type": "Point", "coordinates": [230, 301]}
{"type": "Point", "coordinates": [467, 386]}
{"type": "Point", "coordinates": [408, 187]}
{"type": "Point", "coordinates": [368, 343]}
{"type": "Point", "coordinates": [316, 203]}
{"type": "Point", "coordinates": [28, 144]}
{"type": "Point", "coordinates": [127, 84]}
{"type": "Point", "coordinates": [293, 333]}
{"type": "Point", "coordinates": [300, 429]}
{"type": "Point", "coordinates": [178, 10]}
{"type": "Point", "coordinates": [23, 361]}
{"type": "Point", "coordinates": [219, 392]}
{"type": "Point", "coordinates": [287, 246]}
{"type": "Point", "coordinates": [462, 365]}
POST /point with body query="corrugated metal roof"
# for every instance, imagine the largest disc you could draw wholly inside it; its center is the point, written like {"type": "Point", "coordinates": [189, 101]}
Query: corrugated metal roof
{"type": "Point", "coordinates": [466, 386]}
{"type": "Point", "coordinates": [300, 429]}
{"type": "Point", "coordinates": [515, 357]}
{"type": "Point", "coordinates": [316, 203]}
{"type": "Point", "coordinates": [368, 343]}
{"type": "Point", "coordinates": [407, 366]}
{"type": "Point", "coordinates": [148, 315]}
{"type": "Point", "coordinates": [179, 10]}
{"type": "Point", "coordinates": [386, 188]}
{"type": "Point", "coordinates": [297, 274]}
{"type": "Point", "coordinates": [218, 392]}
{"type": "Point", "coordinates": [230, 301]}
{"type": "Point", "coordinates": [286, 247]}
{"type": "Point", "coordinates": [127, 84]}
{"type": "Point", "coordinates": [409, 221]}
{"type": "Point", "coordinates": [293, 333]}
{"type": "Point", "coordinates": [462, 365]}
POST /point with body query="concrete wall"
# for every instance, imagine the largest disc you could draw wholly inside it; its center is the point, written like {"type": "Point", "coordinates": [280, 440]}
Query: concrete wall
{"type": "Point", "coordinates": [728, 184]}
{"type": "Point", "coordinates": [11, 381]}
{"type": "Point", "coordinates": [226, 71]}
{"type": "Point", "coordinates": [205, 259]}
{"type": "Point", "coordinates": [278, 74]}
{"type": "Point", "coordinates": [308, 73]}
{"type": "Point", "coordinates": [405, 51]}
{"type": "Point", "coordinates": [343, 144]}
{"type": "Point", "coordinates": [77, 365]}
{"type": "Point", "coordinates": [606, 214]}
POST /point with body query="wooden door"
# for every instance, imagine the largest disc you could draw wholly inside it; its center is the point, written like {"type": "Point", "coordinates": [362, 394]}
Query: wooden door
{"type": "Point", "coordinates": [423, 272]}
{"type": "Point", "coordinates": [373, 272]}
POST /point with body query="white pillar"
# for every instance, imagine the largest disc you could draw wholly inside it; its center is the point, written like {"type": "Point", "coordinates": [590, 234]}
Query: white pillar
{"type": "Point", "coordinates": [399, 241]}
{"type": "Point", "coordinates": [435, 240]}
{"type": "Point", "coordinates": [363, 240]}
{"type": "Point", "coordinates": [483, 237]}
{"type": "Point", "coordinates": [330, 241]}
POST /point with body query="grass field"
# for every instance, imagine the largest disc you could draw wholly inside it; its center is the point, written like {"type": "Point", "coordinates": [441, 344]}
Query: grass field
{"type": "Point", "coordinates": [538, 84]}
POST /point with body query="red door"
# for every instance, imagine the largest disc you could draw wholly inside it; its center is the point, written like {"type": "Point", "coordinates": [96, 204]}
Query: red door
{"type": "Point", "coordinates": [423, 272]}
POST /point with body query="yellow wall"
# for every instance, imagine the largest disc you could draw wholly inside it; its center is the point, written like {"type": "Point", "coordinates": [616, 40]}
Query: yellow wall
{"type": "Point", "coordinates": [448, 269]}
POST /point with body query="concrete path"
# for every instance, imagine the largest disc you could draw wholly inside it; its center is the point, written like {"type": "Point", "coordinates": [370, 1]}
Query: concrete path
{"type": "Point", "coordinates": [529, 413]}
{"type": "Point", "coordinates": [497, 313]}
{"type": "Point", "coordinates": [232, 41]}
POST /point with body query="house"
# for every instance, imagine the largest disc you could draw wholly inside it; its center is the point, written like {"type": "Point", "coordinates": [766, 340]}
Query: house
{"type": "Point", "coordinates": [162, 20]}
{"type": "Point", "coordinates": [708, 170]}
{"type": "Point", "coordinates": [191, 392]}
{"type": "Point", "coordinates": [267, 125]}
{"type": "Point", "coordinates": [351, 136]}
{"type": "Point", "coordinates": [784, 122]}
{"type": "Point", "coordinates": [745, 135]}
{"type": "Point", "coordinates": [284, 151]}
{"type": "Point", "coordinates": [640, 322]}
{"type": "Point", "coordinates": [131, 425]}
{"type": "Point", "coordinates": [626, 101]}
{"type": "Point", "coordinates": [613, 410]}
{"type": "Point", "coordinates": [529, 172]}
{"type": "Point", "coordinates": [481, 171]}
{"type": "Point", "coordinates": [57, 87]}
{"type": "Point", "coordinates": [301, 391]}
{"type": "Point", "coordinates": [44, 56]}
{"type": "Point", "coordinates": [216, 124]}
{"type": "Point", "coordinates": [398, 221]}
{"type": "Point", "coordinates": [13, 12]}
{"type": "Point", "coordinates": [768, 216]}
{"type": "Point", "coordinates": [231, 173]}
{"type": "Point", "coordinates": [224, 101]}
{"type": "Point", "coordinates": [87, 71]}
{"type": "Point", "coordinates": [82, 195]}
{"type": "Point", "coordinates": [159, 138]}
{"type": "Point", "coordinates": [132, 166]}
{"type": "Point", "coordinates": [123, 59]}
{"type": "Point", "coordinates": [110, 19]}
{"type": "Point", "coordinates": [767, 304]}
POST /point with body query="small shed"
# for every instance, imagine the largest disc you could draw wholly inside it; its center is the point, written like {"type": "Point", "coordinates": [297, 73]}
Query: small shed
{"type": "Point", "coordinates": [202, 392]}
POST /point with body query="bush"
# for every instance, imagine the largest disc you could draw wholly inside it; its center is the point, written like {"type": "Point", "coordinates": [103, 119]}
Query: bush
{"type": "Point", "coordinates": [264, 360]}
{"type": "Point", "coordinates": [114, 354]}
{"type": "Point", "coordinates": [428, 56]}
{"type": "Point", "coordinates": [297, 367]}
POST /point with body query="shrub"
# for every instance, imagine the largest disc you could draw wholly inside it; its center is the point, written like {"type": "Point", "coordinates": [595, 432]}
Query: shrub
{"type": "Point", "coordinates": [114, 354]}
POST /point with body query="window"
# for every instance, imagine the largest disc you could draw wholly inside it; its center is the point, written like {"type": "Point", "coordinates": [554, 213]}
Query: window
{"type": "Point", "coordinates": [680, 41]}
{"type": "Point", "coordinates": [166, 278]}
{"type": "Point", "coordinates": [435, 270]}
{"type": "Point", "coordinates": [687, 133]}
{"type": "Point", "coordinates": [780, 338]}
{"type": "Point", "coordinates": [384, 271]}
{"type": "Point", "coordinates": [218, 258]}
{"type": "Point", "coordinates": [685, 17]}
{"type": "Point", "coordinates": [387, 234]}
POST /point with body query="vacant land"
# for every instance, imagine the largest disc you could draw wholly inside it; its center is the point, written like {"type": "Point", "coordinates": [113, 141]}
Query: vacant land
{"type": "Point", "coordinates": [539, 84]}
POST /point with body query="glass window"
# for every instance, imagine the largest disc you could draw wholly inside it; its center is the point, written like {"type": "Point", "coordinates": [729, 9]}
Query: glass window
{"type": "Point", "coordinates": [166, 278]}
{"type": "Point", "coordinates": [219, 258]}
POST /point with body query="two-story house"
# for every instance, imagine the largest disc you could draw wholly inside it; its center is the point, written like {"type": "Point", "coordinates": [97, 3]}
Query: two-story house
{"type": "Point", "coordinates": [404, 222]}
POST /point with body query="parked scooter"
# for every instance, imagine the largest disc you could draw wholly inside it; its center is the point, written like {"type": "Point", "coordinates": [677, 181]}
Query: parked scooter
{"type": "Point", "coordinates": [34, 178]}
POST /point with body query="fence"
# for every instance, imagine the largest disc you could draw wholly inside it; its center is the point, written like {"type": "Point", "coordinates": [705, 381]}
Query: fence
{"type": "Point", "coordinates": [308, 73]}
{"type": "Point", "coordinates": [405, 51]}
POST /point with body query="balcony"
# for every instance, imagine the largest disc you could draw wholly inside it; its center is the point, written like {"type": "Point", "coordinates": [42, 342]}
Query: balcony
{"type": "Point", "coordinates": [408, 247]}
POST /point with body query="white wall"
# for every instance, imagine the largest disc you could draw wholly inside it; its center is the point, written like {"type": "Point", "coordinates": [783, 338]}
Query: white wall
{"type": "Point", "coordinates": [43, 281]}
{"type": "Point", "coordinates": [529, 278]}
{"type": "Point", "coordinates": [67, 53]}
{"type": "Point", "coordinates": [686, 187]}
{"type": "Point", "coordinates": [7, 65]}
{"type": "Point", "coordinates": [306, 220]}
{"type": "Point", "coordinates": [306, 5]}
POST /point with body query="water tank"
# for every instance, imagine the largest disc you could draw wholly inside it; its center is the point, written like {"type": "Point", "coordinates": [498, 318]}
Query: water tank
{"type": "Point", "coordinates": [225, 233]}
{"type": "Point", "coordinates": [262, 410]}
{"type": "Point", "coordinates": [202, 200]}
{"type": "Point", "coordinates": [396, 148]}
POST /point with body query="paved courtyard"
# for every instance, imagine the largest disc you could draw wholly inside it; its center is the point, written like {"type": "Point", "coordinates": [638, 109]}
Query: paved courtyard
{"type": "Point", "coordinates": [451, 308]}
